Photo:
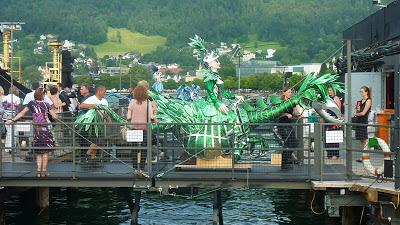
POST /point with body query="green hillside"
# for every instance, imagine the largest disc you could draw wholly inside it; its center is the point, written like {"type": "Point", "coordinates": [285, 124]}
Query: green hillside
{"type": "Point", "coordinates": [310, 30]}
{"type": "Point", "coordinates": [121, 40]}
{"type": "Point", "coordinates": [253, 44]}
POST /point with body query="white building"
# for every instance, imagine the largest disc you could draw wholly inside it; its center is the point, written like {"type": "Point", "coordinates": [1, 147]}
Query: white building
{"type": "Point", "coordinates": [270, 53]}
{"type": "Point", "coordinates": [304, 68]}
{"type": "Point", "coordinates": [247, 56]}
{"type": "Point", "coordinates": [68, 45]}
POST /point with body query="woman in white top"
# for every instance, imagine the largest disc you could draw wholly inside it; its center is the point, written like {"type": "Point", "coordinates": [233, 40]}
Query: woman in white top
{"type": "Point", "coordinates": [11, 104]}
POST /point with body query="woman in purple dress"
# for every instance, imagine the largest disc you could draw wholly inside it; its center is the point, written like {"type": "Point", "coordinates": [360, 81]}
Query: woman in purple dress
{"type": "Point", "coordinates": [43, 139]}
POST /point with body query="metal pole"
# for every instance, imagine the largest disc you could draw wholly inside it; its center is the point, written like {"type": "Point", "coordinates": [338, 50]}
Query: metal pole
{"type": "Point", "coordinates": [74, 149]}
{"type": "Point", "coordinates": [120, 74]}
{"type": "Point", "coordinates": [239, 73]}
{"type": "Point", "coordinates": [9, 92]}
{"type": "Point", "coordinates": [149, 149]}
{"type": "Point", "coordinates": [396, 133]}
{"type": "Point", "coordinates": [348, 140]}
{"type": "Point", "coordinates": [348, 92]}
{"type": "Point", "coordinates": [318, 154]}
{"type": "Point", "coordinates": [11, 66]}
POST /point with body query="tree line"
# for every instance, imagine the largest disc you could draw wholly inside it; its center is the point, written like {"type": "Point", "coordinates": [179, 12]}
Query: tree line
{"type": "Point", "coordinates": [310, 30]}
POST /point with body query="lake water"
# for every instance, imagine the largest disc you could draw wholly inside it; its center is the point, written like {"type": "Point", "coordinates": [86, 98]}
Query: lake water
{"type": "Point", "coordinates": [104, 206]}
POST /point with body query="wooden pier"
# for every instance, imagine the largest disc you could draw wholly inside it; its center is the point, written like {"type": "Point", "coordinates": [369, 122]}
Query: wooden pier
{"type": "Point", "coordinates": [340, 181]}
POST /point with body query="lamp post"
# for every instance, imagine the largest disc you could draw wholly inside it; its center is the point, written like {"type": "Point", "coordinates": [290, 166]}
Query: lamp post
{"type": "Point", "coordinates": [120, 73]}
{"type": "Point", "coordinates": [236, 52]}
{"type": "Point", "coordinates": [239, 55]}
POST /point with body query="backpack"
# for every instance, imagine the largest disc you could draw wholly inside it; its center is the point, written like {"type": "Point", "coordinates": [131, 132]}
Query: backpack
{"type": "Point", "coordinates": [39, 115]}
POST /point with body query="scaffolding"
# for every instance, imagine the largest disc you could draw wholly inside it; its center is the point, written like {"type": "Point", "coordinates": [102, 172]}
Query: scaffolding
{"type": "Point", "coordinates": [53, 70]}
{"type": "Point", "coordinates": [6, 29]}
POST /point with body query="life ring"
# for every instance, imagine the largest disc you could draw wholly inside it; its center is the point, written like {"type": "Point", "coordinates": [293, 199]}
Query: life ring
{"type": "Point", "coordinates": [366, 159]}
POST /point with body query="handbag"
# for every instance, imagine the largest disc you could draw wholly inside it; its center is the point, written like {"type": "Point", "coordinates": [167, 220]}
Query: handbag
{"type": "Point", "coordinates": [355, 119]}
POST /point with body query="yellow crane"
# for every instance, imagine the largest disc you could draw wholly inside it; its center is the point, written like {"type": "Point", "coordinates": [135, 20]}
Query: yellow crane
{"type": "Point", "coordinates": [53, 70]}
{"type": "Point", "coordinates": [6, 29]}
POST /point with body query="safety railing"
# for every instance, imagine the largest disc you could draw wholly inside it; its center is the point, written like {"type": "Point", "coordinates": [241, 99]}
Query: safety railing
{"type": "Point", "coordinates": [198, 151]}
{"type": "Point", "coordinates": [350, 151]}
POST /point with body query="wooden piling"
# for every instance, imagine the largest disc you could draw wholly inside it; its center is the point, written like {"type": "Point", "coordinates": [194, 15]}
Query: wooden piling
{"type": "Point", "coordinates": [136, 208]}
{"type": "Point", "coordinates": [351, 215]}
{"type": "Point", "coordinates": [2, 214]}
{"type": "Point", "coordinates": [42, 197]}
{"type": "Point", "coordinates": [217, 208]}
{"type": "Point", "coordinates": [72, 196]}
{"type": "Point", "coordinates": [395, 220]}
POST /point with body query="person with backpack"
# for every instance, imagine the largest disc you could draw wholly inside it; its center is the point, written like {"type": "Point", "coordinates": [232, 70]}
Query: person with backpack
{"type": "Point", "coordinates": [43, 141]}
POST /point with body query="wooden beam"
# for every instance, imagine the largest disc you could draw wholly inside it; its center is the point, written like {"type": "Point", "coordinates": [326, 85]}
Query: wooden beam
{"type": "Point", "coordinates": [371, 196]}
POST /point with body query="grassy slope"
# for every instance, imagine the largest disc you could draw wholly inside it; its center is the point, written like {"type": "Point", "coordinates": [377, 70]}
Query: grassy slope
{"type": "Point", "coordinates": [253, 44]}
{"type": "Point", "coordinates": [130, 41]}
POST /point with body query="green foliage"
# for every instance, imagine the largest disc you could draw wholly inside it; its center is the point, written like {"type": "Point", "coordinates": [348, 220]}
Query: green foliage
{"type": "Point", "coordinates": [295, 80]}
{"type": "Point", "coordinates": [171, 84]}
{"type": "Point", "coordinates": [24, 49]}
{"type": "Point", "coordinates": [227, 67]}
{"type": "Point", "coordinates": [84, 80]}
{"type": "Point", "coordinates": [90, 52]}
{"type": "Point", "coordinates": [264, 81]}
{"type": "Point", "coordinates": [323, 69]}
{"type": "Point", "coordinates": [309, 29]}
{"type": "Point", "coordinates": [169, 55]}
{"type": "Point", "coordinates": [31, 74]}
{"type": "Point", "coordinates": [253, 44]}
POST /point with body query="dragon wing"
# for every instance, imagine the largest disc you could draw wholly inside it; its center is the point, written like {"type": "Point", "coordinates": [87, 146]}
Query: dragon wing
{"type": "Point", "coordinates": [171, 110]}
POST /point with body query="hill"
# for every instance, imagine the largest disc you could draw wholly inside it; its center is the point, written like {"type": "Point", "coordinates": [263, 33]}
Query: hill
{"type": "Point", "coordinates": [310, 29]}
{"type": "Point", "coordinates": [121, 40]}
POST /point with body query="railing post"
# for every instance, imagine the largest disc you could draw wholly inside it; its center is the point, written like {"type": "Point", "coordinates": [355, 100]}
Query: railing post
{"type": "Point", "coordinates": [235, 146]}
{"type": "Point", "coordinates": [149, 148]}
{"type": "Point", "coordinates": [349, 153]}
{"type": "Point", "coordinates": [2, 149]}
{"type": "Point", "coordinates": [318, 154]}
{"type": "Point", "coordinates": [12, 147]}
{"type": "Point", "coordinates": [158, 149]}
{"type": "Point", "coordinates": [300, 137]}
{"type": "Point", "coordinates": [396, 133]}
{"type": "Point", "coordinates": [309, 151]}
{"type": "Point", "coordinates": [74, 153]}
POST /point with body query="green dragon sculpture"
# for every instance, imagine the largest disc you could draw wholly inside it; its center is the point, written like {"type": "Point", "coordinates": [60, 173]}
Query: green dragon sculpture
{"type": "Point", "coordinates": [214, 122]}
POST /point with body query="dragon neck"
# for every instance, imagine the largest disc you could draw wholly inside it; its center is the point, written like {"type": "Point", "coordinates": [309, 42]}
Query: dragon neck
{"type": "Point", "coordinates": [274, 112]}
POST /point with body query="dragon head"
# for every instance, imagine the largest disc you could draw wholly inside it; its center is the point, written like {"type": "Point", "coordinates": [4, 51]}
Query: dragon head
{"type": "Point", "coordinates": [314, 93]}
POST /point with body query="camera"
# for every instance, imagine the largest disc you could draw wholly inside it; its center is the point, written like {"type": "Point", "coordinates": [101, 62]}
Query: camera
{"type": "Point", "coordinates": [376, 2]}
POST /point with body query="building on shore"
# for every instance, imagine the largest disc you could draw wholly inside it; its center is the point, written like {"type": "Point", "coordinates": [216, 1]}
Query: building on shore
{"type": "Point", "coordinates": [261, 66]}
{"type": "Point", "coordinates": [114, 71]}
{"type": "Point", "coordinates": [256, 66]}
{"type": "Point", "coordinates": [375, 63]}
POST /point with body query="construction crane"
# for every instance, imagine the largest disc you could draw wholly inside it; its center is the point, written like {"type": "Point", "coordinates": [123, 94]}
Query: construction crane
{"type": "Point", "coordinates": [7, 29]}
{"type": "Point", "coordinates": [53, 70]}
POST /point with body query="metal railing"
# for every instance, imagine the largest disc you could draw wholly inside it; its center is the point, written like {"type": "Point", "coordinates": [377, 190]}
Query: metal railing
{"type": "Point", "coordinates": [267, 151]}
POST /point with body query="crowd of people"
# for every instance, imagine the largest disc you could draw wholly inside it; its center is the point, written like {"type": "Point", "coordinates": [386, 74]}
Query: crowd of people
{"type": "Point", "coordinates": [47, 105]}
{"type": "Point", "coordinates": [288, 133]}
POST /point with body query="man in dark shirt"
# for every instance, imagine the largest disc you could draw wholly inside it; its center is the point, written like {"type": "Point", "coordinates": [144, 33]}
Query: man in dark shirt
{"type": "Point", "coordinates": [64, 97]}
